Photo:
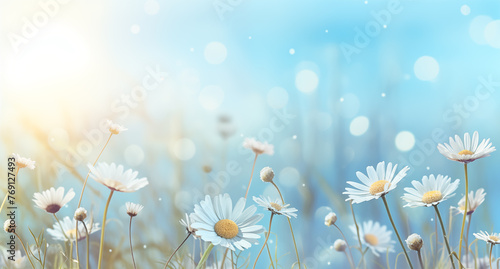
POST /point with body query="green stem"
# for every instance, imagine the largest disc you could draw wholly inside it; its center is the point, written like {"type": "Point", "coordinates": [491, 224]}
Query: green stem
{"type": "Point", "coordinates": [265, 242]}
{"type": "Point", "coordinates": [205, 256]}
{"type": "Point", "coordinates": [130, 239]}
{"type": "Point", "coordinates": [396, 230]}
{"type": "Point", "coordinates": [251, 175]}
{"type": "Point", "coordinates": [103, 227]}
{"type": "Point", "coordinates": [465, 213]}
{"type": "Point", "coordinates": [25, 250]}
{"type": "Point", "coordinates": [166, 264]}
{"type": "Point", "coordinates": [445, 237]}
{"type": "Point", "coordinates": [88, 243]}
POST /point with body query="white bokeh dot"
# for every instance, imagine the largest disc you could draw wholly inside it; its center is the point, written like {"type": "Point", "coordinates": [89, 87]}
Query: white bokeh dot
{"type": "Point", "coordinates": [289, 177]}
{"type": "Point", "coordinates": [151, 7]}
{"type": "Point", "coordinates": [465, 10]}
{"type": "Point", "coordinates": [426, 68]}
{"type": "Point", "coordinates": [349, 106]}
{"type": "Point", "coordinates": [292, 51]}
{"type": "Point", "coordinates": [477, 28]}
{"type": "Point", "coordinates": [277, 97]}
{"type": "Point", "coordinates": [58, 139]}
{"type": "Point", "coordinates": [211, 97]}
{"type": "Point", "coordinates": [492, 34]}
{"type": "Point", "coordinates": [135, 29]}
{"type": "Point", "coordinates": [306, 80]}
{"type": "Point", "coordinates": [134, 155]}
{"type": "Point", "coordinates": [215, 53]}
{"type": "Point", "coordinates": [359, 125]}
{"type": "Point", "coordinates": [404, 141]}
{"type": "Point", "coordinates": [184, 149]}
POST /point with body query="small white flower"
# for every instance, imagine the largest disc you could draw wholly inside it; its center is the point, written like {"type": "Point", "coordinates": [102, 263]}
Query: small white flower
{"type": "Point", "coordinates": [115, 128]}
{"type": "Point", "coordinates": [133, 209]}
{"type": "Point", "coordinates": [375, 236]}
{"type": "Point", "coordinates": [80, 214]}
{"type": "Point", "coordinates": [258, 147]}
{"type": "Point", "coordinates": [53, 200]}
{"type": "Point", "coordinates": [187, 224]}
{"type": "Point", "coordinates": [113, 177]}
{"type": "Point", "coordinates": [222, 224]}
{"type": "Point", "coordinates": [432, 191]}
{"type": "Point", "coordinates": [9, 226]}
{"type": "Point", "coordinates": [414, 242]}
{"type": "Point", "coordinates": [493, 238]}
{"type": "Point", "coordinates": [267, 174]}
{"type": "Point", "coordinates": [22, 162]}
{"type": "Point", "coordinates": [466, 151]}
{"type": "Point", "coordinates": [276, 206]}
{"type": "Point", "coordinates": [68, 226]}
{"type": "Point", "coordinates": [340, 245]}
{"type": "Point", "coordinates": [474, 202]}
{"type": "Point", "coordinates": [330, 219]}
{"type": "Point", "coordinates": [376, 183]}
{"type": "Point", "coordinates": [20, 261]}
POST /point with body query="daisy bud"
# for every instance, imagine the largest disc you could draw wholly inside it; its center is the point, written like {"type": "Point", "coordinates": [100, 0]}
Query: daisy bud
{"type": "Point", "coordinates": [80, 214]}
{"type": "Point", "coordinates": [267, 174]}
{"type": "Point", "coordinates": [8, 226]}
{"type": "Point", "coordinates": [340, 245]}
{"type": "Point", "coordinates": [414, 242]}
{"type": "Point", "coordinates": [330, 219]}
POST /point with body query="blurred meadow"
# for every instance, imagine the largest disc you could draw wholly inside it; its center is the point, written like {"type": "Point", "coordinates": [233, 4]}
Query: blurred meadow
{"type": "Point", "coordinates": [334, 86]}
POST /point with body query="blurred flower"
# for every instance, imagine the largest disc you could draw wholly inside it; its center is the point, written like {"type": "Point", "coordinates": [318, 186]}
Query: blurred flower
{"type": "Point", "coordinates": [432, 191]}
{"type": "Point", "coordinates": [133, 209]}
{"type": "Point", "coordinates": [225, 126]}
{"type": "Point", "coordinates": [22, 162]}
{"type": "Point", "coordinates": [468, 151]}
{"type": "Point", "coordinates": [115, 178]}
{"type": "Point", "coordinates": [68, 226]}
{"type": "Point", "coordinates": [493, 238]}
{"type": "Point", "coordinates": [258, 147]}
{"type": "Point", "coordinates": [9, 227]}
{"type": "Point", "coordinates": [20, 261]}
{"type": "Point", "coordinates": [330, 219]}
{"type": "Point", "coordinates": [217, 222]}
{"type": "Point", "coordinates": [375, 236]}
{"type": "Point", "coordinates": [267, 174]}
{"type": "Point", "coordinates": [376, 184]}
{"type": "Point", "coordinates": [414, 242]}
{"type": "Point", "coordinates": [207, 168]}
{"type": "Point", "coordinates": [477, 263]}
{"type": "Point", "coordinates": [474, 202]}
{"type": "Point", "coordinates": [339, 245]}
{"type": "Point", "coordinates": [276, 206]}
{"type": "Point", "coordinates": [80, 214]}
{"type": "Point", "coordinates": [52, 200]}
{"type": "Point", "coordinates": [115, 128]}
{"type": "Point", "coordinates": [187, 223]}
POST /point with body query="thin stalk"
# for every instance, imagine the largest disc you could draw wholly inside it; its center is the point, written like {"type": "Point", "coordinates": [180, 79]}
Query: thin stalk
{"type": "Point", "coordinates": [76, 244]}
{"type": "Point", "coordinates": [251, 175]}
{"type": "Point", "coordinates": [27, 253]}
{"type": "Point", "coordinates": [270, 256]}
{"type": "Point", "coordinates": [357, 229]}
{"type": "Point", "coordinates": [166, 264]}
{"type": "Point", "coordinates": [67, 238]}
{"type": "Point", "coordinates": [467, 239]}
{"type": "Point", "coordinates": [436, 248]}
{"type": "Point", "coordinates": [465, 213]}
{"type": "Point", "coordinates": [88, 243]}
{"type": "Point", "coordinates": [223, 258]}
{"type": "Point", "coordinates": [351, 260]}
{"type": "Point", "coordinates": [265, 242]}
{"type": "Point", "coordinates": [103, 227]}
{"type": "Point", "coordinates": [491, 250]}
{"type": "Point", "coordinates": [130, 239]}
{"type": "Point", "coordinates": [396, 230]}
{"type": "Point", "coordinates": [445, 237]}
{"type": "Point", "coordinates": [71, 254]}
{"type": "Point", "coordinates": [205, 256]}
{"type": "Point", "coordinates": [420, 259]}
{"type": "Point", "coordinates": [289, 224]}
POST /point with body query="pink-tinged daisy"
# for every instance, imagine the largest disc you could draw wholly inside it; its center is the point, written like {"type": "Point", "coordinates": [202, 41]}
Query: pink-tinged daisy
{"type": "Point", "coordinates": [258, 147]}
{"type": "Point", "coordinates": [52, 200]}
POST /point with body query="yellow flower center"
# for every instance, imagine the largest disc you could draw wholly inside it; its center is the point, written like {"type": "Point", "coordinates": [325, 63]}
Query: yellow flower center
{"type": "Point", "coordinates": [431, 197]}
{"type": "Point", "coordinates": [378, 186]}
{"type": "Point", "coordinates": [276, 206]}
{"type": "Point", "coordinates": [465, 152]}
{"type": "Point", "coordinates": [371, 239]}
{"type": "Point", "coordinates": [493, 238]}
{"type": "Point", "coordinates": [226, 228]}
{"type": "Point", "coordinates": [71, 233]}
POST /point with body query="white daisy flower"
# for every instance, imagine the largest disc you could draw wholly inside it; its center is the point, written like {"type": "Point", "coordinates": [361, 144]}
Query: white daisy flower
{"type": "Point", "coordinates": [52, 200]}
{"type": "Point", "coordinates": [68, 226]}
{"type": "Point", "coordinates": [20, 261]}
{"type": "Point", "coordinates": [133, 209]}
{"type": "Point", "coordinates": [375, 236]}
{"type": "Point", "coordinates": [466, 151]}
{"type": "Point", "coordinates": [258, 147]}
{"type": "Point", "coordinates": [474, 202]}
{"type": "Point", "coordinates": [187, 224]}
{"type": "Point", "coordinates": [115, 128]}
{"type": "Point", "coordinates": [276, 206]}
{"type": "Point", "coordinates": [478, 263]}
{"type": "Point", "coordinates": [493, 238]}
{"type": "Point", "coordinates": [376, 183]}
{"type": "Point", "coordinates": [22, 162]}
{"type": "Point", "coordinates": [116, 179]}
{"type": "Point", "coordinates": [432, 191]}
{"type": "Point", "coordinates": [221, 224]}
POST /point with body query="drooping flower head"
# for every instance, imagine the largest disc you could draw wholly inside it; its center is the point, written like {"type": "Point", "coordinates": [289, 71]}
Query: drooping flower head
{"type": "Point", "coordinates": [376, 183]}
{"type": "Point", "coordinates": [340, 245]}
{"type": "Point", "coordinates": [9, 226]}
{"type": "Point", "coordinates": [133, 209]}
{"type": "Point", "coordinates": [68, 227]}
{"type": "Point", "coordinates": [187, 224]}
{"type": "Point", "coordinates": [115, 128]}
{"type": "Point", "coordinates": [53, 200]}
{"type": "Point", "coordinates": [493, 238]}
{"type": "Point", "coordinates": [432, 191]}
{"type": "Point", "coordinates": [375, 236]}
{"type": "Point", "coordinates": [474, 202]}
{"type": "Point", "coordinates": [22, 162]}
{"type": "Point", "coordinates": [267, 174]}
{"type": "Point", "coordinates": [276, 206]}
{"type": "Point", "coordinates": [330, 219]}
{"type": "Point", "coordinates": [80, 214]}
{"type": "Point", "coordinates": [113, 177]}
{"type": "Point", "coordinates": [219, 223]}
{"type": "Point", "coordinates": [466, 151]}
{"type": "Point", "coordinates": [414, 242]}
{"type": "Point", "coordinates": [258, 147]}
